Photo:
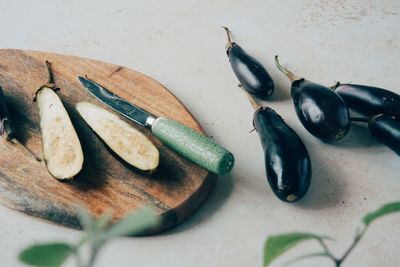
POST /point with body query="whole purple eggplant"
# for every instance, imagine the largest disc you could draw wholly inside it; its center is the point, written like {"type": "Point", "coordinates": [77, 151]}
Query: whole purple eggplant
{"type": "Point", "coordinates": [250, 73]}
{"type": "Point", "coordinates": [320, 109]}
{"type": "Point", "coordinates": [387, 130]}
{"type": "Point", "coordinates": [369, 100]}
{"type": "Point", "coordinates": [287, 162]}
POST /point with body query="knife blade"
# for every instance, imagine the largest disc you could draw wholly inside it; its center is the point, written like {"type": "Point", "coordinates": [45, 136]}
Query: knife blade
{"type": "Point", "coordinates": [187, 142]}
{"type": "Point", "coordinates": [115, 102]}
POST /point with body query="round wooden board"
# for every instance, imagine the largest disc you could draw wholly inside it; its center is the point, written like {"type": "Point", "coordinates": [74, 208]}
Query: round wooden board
{"type": "Point", "coordinates": [105, 183]}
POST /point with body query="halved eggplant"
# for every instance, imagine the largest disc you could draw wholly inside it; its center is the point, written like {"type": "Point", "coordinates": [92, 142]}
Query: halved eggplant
{"type": "Point", "coordinates": [127, 142]}
{"type": "Point", "coordinates": [62, 150]}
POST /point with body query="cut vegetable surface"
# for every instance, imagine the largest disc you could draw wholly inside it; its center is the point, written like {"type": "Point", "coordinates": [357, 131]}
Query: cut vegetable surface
{"type": "Point", "coordinates": [62, 150]}
{"type": "Point", "coordinates": [127, 142]}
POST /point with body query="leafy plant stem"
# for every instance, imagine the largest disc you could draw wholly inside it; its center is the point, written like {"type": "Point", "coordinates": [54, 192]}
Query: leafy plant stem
{"type": "Point", "coordinates": [357, 239]}
{"type": "Point", "coordinates": [78, 259]}
{"type": "Point", "coordinates": [93, 255]}
{"type": "Point", "coordinates": [328, 252]}
{"type": "Point", "coordinates": [338, 261]}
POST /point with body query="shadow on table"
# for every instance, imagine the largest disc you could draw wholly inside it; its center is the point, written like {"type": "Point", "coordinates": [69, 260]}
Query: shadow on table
{"type": "Point", "coordinates": [357, 137]}
{"type": "Point", "coordinates": [221, 192]}
{"type": "Point", "coordinates": [327, 186]}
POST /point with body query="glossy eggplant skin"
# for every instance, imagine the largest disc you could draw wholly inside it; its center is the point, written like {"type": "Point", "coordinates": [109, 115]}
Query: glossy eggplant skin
{"type": "Point", "coordinates": [287, 163]}
{"type": "Point", "coordinates": [250, 73]}
{"type": "Point", "coordinates": [321, 110]}
{"type": "Point", "coordinates": [5, 124]}
{"type": "Point", "coordinates": [369, 100]}
{"type": "Point", "coordinates": [387, 130]}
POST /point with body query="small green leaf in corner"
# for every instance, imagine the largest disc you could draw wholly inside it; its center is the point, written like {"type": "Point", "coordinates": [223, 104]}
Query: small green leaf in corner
{"type": "Point", "coordinates": [278, 244]}
{"type": "Point", "coordinates": [46, 255]}
{"type": "Point", "coordinates": [384, 210]}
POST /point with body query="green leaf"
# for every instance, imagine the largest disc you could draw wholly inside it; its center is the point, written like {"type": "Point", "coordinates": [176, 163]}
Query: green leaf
{"type": "Point", "coordinates": [46, 255]}
{"type": "Point", "coordinates": [85, 218]}
{"type": "Point", "coordinates": [311, 255]}
{"type": "Point", "coordinates": [384, 210]}
{"type": "Point", "coordinates": [278, 244]}
{"type": "Point", "coordinates": [102, 221]}
{"type": "Point", "coordinates": [134, 223]}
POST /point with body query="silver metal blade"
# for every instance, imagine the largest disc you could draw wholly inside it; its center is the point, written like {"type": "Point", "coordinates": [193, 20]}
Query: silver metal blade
{"type": "Point", "coordinates": [118, 104]}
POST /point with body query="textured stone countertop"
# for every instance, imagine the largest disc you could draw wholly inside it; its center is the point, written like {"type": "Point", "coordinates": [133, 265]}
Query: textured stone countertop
{"type": "Point", "coordinates": [181, 44]}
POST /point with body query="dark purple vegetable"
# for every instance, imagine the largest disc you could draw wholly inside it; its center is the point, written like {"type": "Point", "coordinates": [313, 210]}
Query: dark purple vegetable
{"type": "Point", "coordinates": [6, 129]}
{"type": "Point", "coordinates": [369, 100]}
{"type": "Point", "coordinates": [250, 73]}
{"type": "Point", "coordinates": [321, 110]}
{"type": "Point", "coordinates": [287, 162]}
{"type": "Point", "coordinates": [387, 130]}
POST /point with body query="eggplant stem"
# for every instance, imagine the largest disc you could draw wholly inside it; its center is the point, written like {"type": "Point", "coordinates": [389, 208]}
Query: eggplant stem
{"type": "Point", "coordinates": [292, 77]}
{"type": "Point", "coordinates": [228, 34]}
{"type": "Point", "coordinates": [50, 82]}
{"type": "Point", "coordinates": [253, 102]}
{"type": "Point", "coordinates": [360, 119]}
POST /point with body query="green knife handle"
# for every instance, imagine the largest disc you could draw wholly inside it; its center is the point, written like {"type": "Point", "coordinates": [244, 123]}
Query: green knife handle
{"type": "Point", "coordinates": [192, 145]}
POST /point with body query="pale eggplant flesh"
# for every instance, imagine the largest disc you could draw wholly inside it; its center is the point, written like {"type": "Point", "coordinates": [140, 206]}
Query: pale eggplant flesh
{"type": "Point", "coordinates": [127, 142]}
{"type": "Point", "coordinates": [62, 150]}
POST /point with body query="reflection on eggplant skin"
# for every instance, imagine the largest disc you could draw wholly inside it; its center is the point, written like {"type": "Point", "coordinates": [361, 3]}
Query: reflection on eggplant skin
{"type": "Point", "coordinates": [369, 100]}
{"type": "Point", "coordinates": [320, 109]}
{"type": "Point", "coordinates": [250, 72]}
{"type": "Point", "coordinates": [287, 162]}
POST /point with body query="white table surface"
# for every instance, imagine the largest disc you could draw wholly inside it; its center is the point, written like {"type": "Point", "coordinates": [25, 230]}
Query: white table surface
{"type": "Point", "coordinates": [181, 44]}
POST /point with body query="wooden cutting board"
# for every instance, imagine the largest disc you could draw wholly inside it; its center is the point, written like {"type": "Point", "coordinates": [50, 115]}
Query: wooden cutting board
{"type": "Point", "coordinates": [105, 183]}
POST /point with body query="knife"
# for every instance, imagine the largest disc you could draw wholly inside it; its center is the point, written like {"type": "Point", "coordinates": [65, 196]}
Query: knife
{"type": "Point", "coordinates": [187, 142]}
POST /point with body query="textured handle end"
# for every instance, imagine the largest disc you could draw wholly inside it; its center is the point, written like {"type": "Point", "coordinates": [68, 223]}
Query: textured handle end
{"type": "Point", "coordinates": [194, 146]}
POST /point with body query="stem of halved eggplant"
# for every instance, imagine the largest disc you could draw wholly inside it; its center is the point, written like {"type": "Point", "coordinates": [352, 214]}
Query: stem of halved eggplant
{"type": "Point", "coordinates": [6, 128]}
{"type": "Point", "coordinates": [62, 149]}
{"type": "Point", "coordinates": [50, 83]}
{"type": "Point", "coordinates": [292, 77]}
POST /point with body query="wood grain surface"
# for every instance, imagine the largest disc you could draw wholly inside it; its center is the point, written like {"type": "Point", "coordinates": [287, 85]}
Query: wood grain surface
{"type": "Point", "coordinates": [105, 183]}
